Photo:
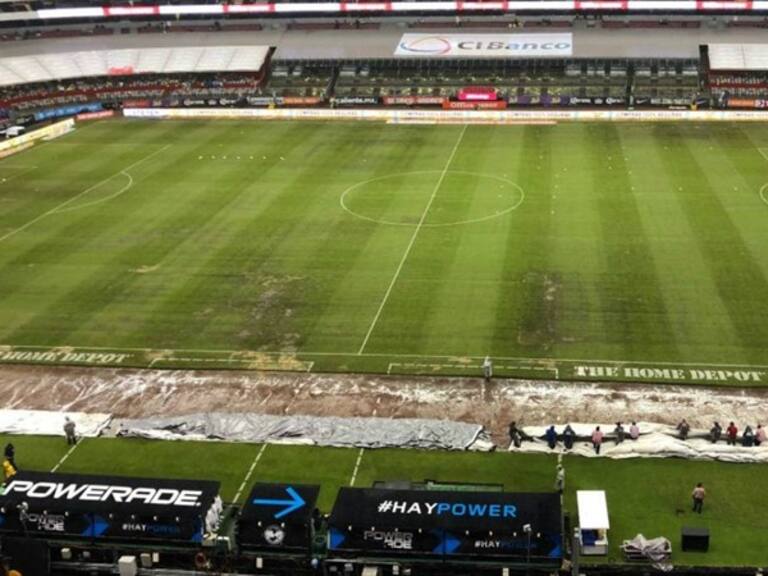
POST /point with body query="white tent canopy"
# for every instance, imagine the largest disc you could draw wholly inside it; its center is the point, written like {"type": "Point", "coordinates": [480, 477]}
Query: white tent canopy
{"type": "Point", "coordinates": [593, 510]}
{"type": "Point", "coordinates": [123, 62]}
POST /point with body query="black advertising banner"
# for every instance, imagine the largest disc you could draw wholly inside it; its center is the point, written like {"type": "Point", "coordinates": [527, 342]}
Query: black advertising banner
{"type": "Point", "coordinates": [476, 524]}
{"type": "Point", "coordinates": [95, 507]}
{"type": "Point", "coordinates": [278, 517]}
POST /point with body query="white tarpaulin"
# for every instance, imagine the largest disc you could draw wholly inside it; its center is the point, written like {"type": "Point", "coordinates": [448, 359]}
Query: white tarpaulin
{"type": "Point", "coordinates": [656, 441]}
{"type": "Point", "coordinates": [321, 431]}
{"type": "Point", "coordinates": [49, 423]}
{"type": "Point", "coordinates": [485, 45]}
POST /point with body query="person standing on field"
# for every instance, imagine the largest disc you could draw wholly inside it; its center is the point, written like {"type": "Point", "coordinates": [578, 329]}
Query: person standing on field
{"type": "Point", "coordinates": [597, 439]}
{"type": "Point", "coordinates": [487, 369]}
{"type": "Point", "coordinates": [69, 431]}
{"type": "Point", "coordinates": [698, 495]}
{"type": "Point", "coordinates": [759, 435]}
{"type": "Point", "coordinates": [10, 455]}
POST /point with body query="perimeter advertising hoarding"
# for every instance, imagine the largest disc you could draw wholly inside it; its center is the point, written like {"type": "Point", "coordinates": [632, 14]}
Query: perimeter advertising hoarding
{"type": "Point", "coordinates": [277, 517]}
{"type": "Point", "coordinates": [485, 45]}
{"type": "Point", "coordinates": [106, 507]}
{"type": "Point", "coordinates": [446, 524]}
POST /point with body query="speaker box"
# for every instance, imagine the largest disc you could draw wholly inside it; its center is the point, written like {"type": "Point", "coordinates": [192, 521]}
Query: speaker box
{"type": "Point", "coordinates": [695, 539]}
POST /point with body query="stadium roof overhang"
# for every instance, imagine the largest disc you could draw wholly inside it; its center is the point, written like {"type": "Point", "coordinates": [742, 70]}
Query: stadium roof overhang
{"type": "Point", "coordinates": [738, 57]}
{"type": "Point", "coordinates": [405, 8]}
{"type": "Point", "coordinates": [122, 62]}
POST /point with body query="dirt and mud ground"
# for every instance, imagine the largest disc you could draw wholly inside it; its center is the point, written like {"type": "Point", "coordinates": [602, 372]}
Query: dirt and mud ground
{"type": "Point", "coordinates": [138, 393]}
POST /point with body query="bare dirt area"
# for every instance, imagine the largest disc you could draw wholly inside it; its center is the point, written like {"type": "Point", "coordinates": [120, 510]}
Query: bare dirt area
{"type": "Point", "coordinates": [141, 393]}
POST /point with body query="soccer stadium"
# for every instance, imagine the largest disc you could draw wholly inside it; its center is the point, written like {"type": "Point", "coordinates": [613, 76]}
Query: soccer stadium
{"type": "Point", "coordinates": [384, 288]}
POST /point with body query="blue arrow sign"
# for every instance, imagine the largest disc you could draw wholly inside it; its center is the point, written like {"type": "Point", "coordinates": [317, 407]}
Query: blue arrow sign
{"type": "Point", "coordinates": [289, 506]}
{"type": "Point", "coordinates": [96, 526]}
{"type": "Point", "coordinates": [448, 543]}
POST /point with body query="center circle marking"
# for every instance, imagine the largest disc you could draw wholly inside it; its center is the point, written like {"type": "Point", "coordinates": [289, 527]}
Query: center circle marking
{"type": "Point", "coordinates": [343, 200]}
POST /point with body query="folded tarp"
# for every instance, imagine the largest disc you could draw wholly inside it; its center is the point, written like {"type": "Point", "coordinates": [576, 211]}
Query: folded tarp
{"type": "Point", "coordinates": [50, 423]}
{"type": "Point", "coordinates": [656, 441]}
{"type": "Point", "coordinates": [321, 431]}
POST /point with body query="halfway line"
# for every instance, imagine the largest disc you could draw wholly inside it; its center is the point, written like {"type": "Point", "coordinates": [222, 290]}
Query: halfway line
{"type": "Point", "coordinates": [79, 195]}
{"type": "Point", "coordinates": [413, 240]}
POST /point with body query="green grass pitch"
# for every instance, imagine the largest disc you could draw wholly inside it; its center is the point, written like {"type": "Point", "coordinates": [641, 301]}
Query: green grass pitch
{"type": "Point", "coordinates": [577, 250]}
{"type": "Point", "coordinates": [647, 496]}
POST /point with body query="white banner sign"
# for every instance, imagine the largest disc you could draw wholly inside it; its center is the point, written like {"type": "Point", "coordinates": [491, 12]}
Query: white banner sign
{"type": "Point", "coordinates": [485, 45]}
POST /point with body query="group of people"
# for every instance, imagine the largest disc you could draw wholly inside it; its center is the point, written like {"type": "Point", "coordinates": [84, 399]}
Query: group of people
{"type": "Point", "coordinates": [750, 437]}
{"type": "Point", "coordinates": [568, 436]}
{"type": "Point", "coordinates": [10, 469]}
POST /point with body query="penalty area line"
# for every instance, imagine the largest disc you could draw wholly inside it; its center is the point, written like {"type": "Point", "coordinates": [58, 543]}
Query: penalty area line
{"type": "Point", "coordinates": [81, 194]}
{"type": "Point", "coordinates": [407, 252]}
{"type": "Point", "coordinates": [249, 474]}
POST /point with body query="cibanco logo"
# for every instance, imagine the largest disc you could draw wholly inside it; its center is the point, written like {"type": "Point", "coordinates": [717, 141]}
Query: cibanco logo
{"type": "Point", "coordinates": [429, 45]}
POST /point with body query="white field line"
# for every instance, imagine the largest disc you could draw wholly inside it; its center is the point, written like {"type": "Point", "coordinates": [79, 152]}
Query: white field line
{"type": "Point", "coordinates": [17, 175]}
{"type": "Point", "coordinates": [762, 152]}
{"type": "Point", "coordinates": [249, 474]}
{"type": "Point", "coordinates": [413, 240]}
{"type": "Point", "coordinates": [650, 363]}
{"type": "Point", "coordinates": [762, 193]}
{"type": "Point", "coordinates": [120, 192]}
{"type": "Point", "coordinates": [80, 194]}
{"type": "Point", "coordinates": [357, 467]}
{"type": "Point", "coordinates": [67, 455]}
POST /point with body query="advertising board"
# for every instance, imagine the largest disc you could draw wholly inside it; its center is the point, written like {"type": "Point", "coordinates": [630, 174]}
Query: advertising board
{"type": "Point", "coordinates": [485, 45]}
{"type": "Point", "coordinates": [106, 507]}
{"type": "Point", "coordinates": [446, 523]}
{"type": "Point", "coordinates": [277, 517]}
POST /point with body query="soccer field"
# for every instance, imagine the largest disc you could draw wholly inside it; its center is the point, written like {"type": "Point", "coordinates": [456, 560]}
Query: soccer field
{"type": "Point", "coordinates": [574, 251]}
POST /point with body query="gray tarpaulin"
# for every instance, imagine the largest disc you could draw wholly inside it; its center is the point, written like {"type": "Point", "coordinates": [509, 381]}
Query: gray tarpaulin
{"type": "Point", "coordinates": [321, 431]}
{"type": "Point", "coordinates": [656, 550]}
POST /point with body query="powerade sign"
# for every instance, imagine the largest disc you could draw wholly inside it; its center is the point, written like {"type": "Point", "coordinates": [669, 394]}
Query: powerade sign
{"type": "Point", "coordinates": [485, 45]}
{"type": "Point", "coordinates": [69, 491]}
{"type": "Point", "coordinates": [67, 111]}
{"type": "Point", "coordinates": [106, 507]}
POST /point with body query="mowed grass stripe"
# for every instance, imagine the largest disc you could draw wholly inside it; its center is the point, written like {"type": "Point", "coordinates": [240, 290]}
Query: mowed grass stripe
{"type": "Point", "coordinates": [748, 209]}
{"type": "Point", "coordinates": [632, 300]}
{"type": "Point", "coordinates": [742, 287]}
{"type": "Point", "coordinates": [99, 254]}
{"type": "Point", "coordinates": [57, 250]}
{"type": "Point", "coordinates": [365, 263]}
{"type": "Point", "coordinates": [521, 320]}
{"type": "Point", "coordinates": [466, 283]}
{"type": "Point", "coordinates": [403, 307]}
{"type": "Point", "coordinates": [701, 323]}
{"type": "Point", "coordinates": [193, 284]}
{"type": "Point", "coordinates": [574, 248]}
